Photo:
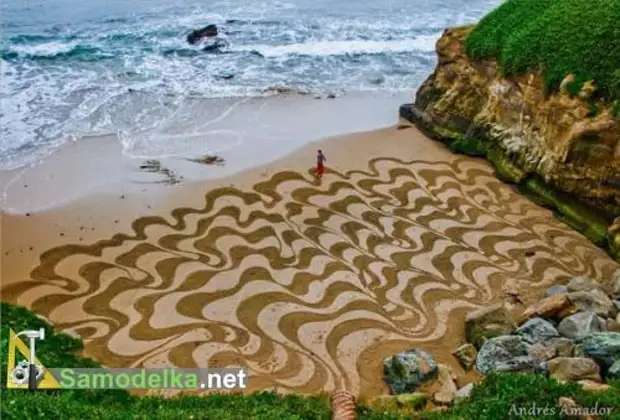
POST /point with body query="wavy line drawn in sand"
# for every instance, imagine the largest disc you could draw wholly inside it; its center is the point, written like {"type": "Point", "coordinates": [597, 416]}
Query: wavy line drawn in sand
{"type": "Point", "coordinates": [307, 286]}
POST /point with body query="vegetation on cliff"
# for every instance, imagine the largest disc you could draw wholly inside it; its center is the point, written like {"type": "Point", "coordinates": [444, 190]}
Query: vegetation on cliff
{"type": "Point", "coordinates": [581, 37]}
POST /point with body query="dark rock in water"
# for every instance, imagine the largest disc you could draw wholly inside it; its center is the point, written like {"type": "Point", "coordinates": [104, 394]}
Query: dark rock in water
{"type": "Point", "coordinates": [537, 330]}
{"type": "Point", "coordinates": [257, 53]}
{"type": "Point", "coordinates": [224, 76]}
{"type": "Point", "coordinates": [603, 347]}
{"type": "Point", "coordinates": [506, 353]}
{"type": "Point", "coordinates": [216, 47]}
{"type": "Point", "coordinates": [556, 290]}
{"type": "Point", "coordinates": [406, 371]}
{"type": "Point", "coordinates": [198, 35]}
{"type": "Point", "coordinates": [580, 325]}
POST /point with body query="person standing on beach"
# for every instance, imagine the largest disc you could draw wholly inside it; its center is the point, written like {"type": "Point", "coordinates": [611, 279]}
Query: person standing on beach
{"type": "Point", "coordinates": [320, 167]}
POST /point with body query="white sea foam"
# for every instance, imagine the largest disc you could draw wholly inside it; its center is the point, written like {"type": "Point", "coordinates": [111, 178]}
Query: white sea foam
{"type": "Point", "coordinates": [326, 48]}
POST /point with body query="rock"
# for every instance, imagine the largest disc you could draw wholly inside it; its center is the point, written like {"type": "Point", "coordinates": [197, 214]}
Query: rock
{"type": "Point", "coordinates": [614, 370]}
{"type": "Point", "coordinates": [556, 290]}
{"type": "Point", "coordinates": [486, 323]}
{"type": "Point", "coordinates": [615, 282]}
{"type": "Point", "coordinates": [505, 353]}
{"type": "Point", "coordinates": [579, 351]}
{"type": "Point", "coordinates": [613, 325]}
{"type": "Point", "coordinates": [582, 284]}
{"type": "Point", "coordinates": [537, 330]}
{"type": "Point", "coordinates": [593, 301]}
{"type": "Point", "coordinates": [209, 31]}
{"type": "Point", "coordinates": [406, 371]}
{"type": "Point", "coordinates": [580, 325]}
{"type": "Point", "coordinates": [603, 347]}
{"type": "Point", "coordinates": [465, 392]}
{"type": "Point", "coordinates": [548, 307]}
{"type": "Point", "coordinates": [542, 352]}
{"type": "Point", "coordinates": [416, 400]}
{"type": "Point", "coordinates": [570, 409]}
{"type": "Point", "coordinates": [472, 107]}
{"type": "Point", "coordinates": [617, 303]}
{"type": "Point", "coordinates": [466, 355]}
{"type": "Point", "coordinates": [447, 388]}
{"type": "Point", "coordinates": [573, 369]}
{"type": "Point", "coordinates": [215, 47]}
{"type": "Point", "coordinates": [588, 385]}
{"type": "Point", "coordinates": [563, 346]}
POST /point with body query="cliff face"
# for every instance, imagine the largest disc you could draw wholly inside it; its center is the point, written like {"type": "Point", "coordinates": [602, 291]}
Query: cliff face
{"type": "Point", "coordinates": [565, 150]}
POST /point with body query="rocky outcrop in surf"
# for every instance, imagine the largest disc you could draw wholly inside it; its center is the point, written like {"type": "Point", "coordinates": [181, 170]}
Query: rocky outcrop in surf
{"type": "Point", "coordinates": [195, 36]}
{"type": "Point", "coordinates": [562, 148]}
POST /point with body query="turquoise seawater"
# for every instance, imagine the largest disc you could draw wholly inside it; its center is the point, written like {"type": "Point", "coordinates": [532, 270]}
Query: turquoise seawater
{"type": "Point", "coordinates": [73, 68]}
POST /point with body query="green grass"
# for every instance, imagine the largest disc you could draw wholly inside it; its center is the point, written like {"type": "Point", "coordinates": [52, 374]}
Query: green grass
{"type": "Point", "coordinates": [560, 37]}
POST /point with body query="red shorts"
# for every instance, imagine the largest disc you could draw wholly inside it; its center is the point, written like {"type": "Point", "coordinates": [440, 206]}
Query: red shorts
{"type": "Point", "coordinates": [320, 169]}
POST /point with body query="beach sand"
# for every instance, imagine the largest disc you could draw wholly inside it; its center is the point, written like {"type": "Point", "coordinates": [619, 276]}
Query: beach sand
{"type": "Point", "coordinates": [308, 284]}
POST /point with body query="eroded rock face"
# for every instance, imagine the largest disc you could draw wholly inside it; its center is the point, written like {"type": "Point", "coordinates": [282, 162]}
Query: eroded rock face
{"type": "Point", "coordinates": [553, 137]}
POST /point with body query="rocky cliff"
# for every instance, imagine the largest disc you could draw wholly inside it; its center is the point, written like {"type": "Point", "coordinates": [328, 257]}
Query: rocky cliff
{"type": "Point", "coordinates": [562, 149]}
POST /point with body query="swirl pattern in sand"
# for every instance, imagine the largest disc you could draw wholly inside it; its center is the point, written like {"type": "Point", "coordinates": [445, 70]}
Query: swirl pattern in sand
{"type": "Point", "coordinates": [309, 286]}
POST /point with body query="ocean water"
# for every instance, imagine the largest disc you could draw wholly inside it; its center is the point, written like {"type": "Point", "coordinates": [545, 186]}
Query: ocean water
{"type": "Point", "coordinates": [72, 68]}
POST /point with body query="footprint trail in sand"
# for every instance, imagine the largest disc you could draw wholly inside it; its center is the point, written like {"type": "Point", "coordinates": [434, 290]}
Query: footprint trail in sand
{"type": "Point", "coordinates": [308, 286]}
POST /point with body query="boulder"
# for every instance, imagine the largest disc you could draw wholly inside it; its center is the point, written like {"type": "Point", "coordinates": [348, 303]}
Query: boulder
{"type": "Point", "coordinates": [556, 290]}
{"type": "Point", "coordinates": [466, 355]}
{"type": "Point", "coordinates": [593, 301]}
{"type": "Point", "coordinates": [537, 330]}
{"type": "Point", "coordinates": [613, 324]}
{"type": "Point", "coordinates": [447, 387]}
{"type": "Point", "coordinates": [563, 346]}
{"type": "Point", "coordinates": [614, 370]}
{"type": "Point", "coordinates": [541, 352]}
{"type": "Point", "coordinates": [615, 285]}
{"type": "Point", "coordinates": [465, 392]}
{"type": "Point", "coordinates": [487, 323]}
{"type": "Point", "coordinates": [195, 36]}
{"type": "Point", "coordinates": [603, 347]}
{"type": "Point", "coordinates": [580, 325]}
{"type": "Point", "coordinates": [549, 307]}
{"type": "Point", "coordinates": [406, 371]}
{"type": "Point", "coordinates": [573, 369]}
{"type": "Point", "coordinates": [579, 351]}
{"type": "Point", "coordinates": [506, 353]}
{"type": "Point", "coordinates": [588, 385]}
{"type": "Point", "coordinates": [582, 284]}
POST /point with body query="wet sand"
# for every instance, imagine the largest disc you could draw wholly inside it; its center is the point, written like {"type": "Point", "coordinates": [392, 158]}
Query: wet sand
{"type": "Point", "coordinates": [308, 284]}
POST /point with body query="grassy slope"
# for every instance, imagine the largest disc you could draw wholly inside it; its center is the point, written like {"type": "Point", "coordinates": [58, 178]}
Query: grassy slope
{"type": "Point", "coordinates": [569, 36]}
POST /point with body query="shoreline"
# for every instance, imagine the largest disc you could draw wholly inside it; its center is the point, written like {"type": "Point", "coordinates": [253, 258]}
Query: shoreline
{"type": "Point", "coordinates": [309, 285]}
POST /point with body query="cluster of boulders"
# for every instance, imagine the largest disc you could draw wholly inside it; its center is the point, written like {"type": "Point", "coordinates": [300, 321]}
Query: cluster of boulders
{"type": "Point", "coordinates": [571, 334]}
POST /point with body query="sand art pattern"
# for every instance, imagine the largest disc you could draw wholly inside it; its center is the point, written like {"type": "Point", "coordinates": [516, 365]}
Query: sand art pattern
{"type": "Point", "coordinates": [307, 285]}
